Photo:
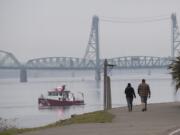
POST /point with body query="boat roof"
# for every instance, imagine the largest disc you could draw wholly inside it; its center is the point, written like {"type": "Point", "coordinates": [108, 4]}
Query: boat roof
{"type": "Point", "coordinates": [58, 89]}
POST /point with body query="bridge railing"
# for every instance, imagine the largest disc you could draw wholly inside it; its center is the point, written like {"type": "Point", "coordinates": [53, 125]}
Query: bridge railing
{"type": "Point", "coordinates": [60, 63]}
{"type": "Point", "coordinates": [140, 62]}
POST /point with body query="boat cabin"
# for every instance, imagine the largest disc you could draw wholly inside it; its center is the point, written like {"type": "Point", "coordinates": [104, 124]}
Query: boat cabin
{"type": "Point", "coordinates": [62, 95]}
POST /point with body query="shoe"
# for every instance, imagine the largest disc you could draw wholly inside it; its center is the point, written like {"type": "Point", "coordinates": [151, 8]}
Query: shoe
{"type": "Point", "coordinates": [143, 110]}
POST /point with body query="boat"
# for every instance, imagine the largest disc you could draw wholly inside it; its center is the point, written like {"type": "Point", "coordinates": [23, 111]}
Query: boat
{"type": "Point", "coordinates": [59, 96]}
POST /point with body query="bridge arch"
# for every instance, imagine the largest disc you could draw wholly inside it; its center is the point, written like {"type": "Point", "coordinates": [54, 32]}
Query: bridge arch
{"type": "Point", "coordinates": [8, 61]}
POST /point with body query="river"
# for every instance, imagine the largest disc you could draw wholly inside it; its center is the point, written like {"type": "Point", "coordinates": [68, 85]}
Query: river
{"type": "Point", "coordinates": [18, 101]}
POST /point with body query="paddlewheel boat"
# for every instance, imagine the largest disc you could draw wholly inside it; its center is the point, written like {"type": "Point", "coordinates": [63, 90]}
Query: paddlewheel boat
{"type": "Point", "coordinates": [60, 97]}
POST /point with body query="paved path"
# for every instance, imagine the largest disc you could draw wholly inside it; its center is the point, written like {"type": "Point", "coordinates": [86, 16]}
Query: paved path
{"type": "Point", "coordinates": [160, 119]}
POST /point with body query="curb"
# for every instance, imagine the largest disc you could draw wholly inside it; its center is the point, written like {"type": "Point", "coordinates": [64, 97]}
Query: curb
{"type": "Point", "coordinates": [175, 131]}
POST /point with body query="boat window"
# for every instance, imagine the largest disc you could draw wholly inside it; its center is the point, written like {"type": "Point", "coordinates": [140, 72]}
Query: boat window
{"type": "Point", "coordinates": [60, 93]}
{"type": "Point", "coordinates": [53, 93]}
{"type": "Point", "coordinates": [49, 93]}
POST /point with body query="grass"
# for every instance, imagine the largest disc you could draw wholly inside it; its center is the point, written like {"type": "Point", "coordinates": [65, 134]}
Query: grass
{"type": "Point", "coordinates": [94, 117]}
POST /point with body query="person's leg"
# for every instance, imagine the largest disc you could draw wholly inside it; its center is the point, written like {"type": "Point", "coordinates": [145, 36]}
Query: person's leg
{"type": "Point", "coordinates": [131, 103]}
{"type": "Point", "coordinates": [128, 103]}
{"type": "Point", "coordinates": [143, 103]}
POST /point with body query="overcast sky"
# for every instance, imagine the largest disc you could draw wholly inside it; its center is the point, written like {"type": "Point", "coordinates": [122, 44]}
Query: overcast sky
{"type": "Point", "coordinates": [46, 28]}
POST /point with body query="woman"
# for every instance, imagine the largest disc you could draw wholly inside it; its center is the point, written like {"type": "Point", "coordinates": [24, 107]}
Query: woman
{"type": "Point", "coordinates": [130, 94]}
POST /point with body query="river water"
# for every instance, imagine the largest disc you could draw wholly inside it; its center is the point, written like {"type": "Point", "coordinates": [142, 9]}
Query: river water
{"type": "Point", "coordinates": [18, 101]}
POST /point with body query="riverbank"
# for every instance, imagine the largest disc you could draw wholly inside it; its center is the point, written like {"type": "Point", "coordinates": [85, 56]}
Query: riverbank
{"type": "Point", "coordinates": [160, 119]}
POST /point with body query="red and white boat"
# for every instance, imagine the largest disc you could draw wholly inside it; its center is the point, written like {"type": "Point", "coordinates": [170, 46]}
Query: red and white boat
{"type": "Point", "coordinates": [60, 97]}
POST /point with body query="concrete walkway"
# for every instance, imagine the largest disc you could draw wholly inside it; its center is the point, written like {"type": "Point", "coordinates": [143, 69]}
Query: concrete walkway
{"type": "Point", "coordinates": [160, 119]}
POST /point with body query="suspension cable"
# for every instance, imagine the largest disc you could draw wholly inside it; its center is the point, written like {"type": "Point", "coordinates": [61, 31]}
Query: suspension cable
{"type": "Point", "coordinates": [135, 20]}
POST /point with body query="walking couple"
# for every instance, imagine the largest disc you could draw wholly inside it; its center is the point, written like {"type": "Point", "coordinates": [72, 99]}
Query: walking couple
{"type": "Point", "coordinates": [143, 91]}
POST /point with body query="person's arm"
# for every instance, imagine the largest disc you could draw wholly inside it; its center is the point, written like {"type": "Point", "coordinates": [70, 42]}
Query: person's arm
{"type": "Point", "coordinates": [138, 89]}
{"type": "Point", "coordinates": [125, 90]}
{"type": "Point", "coordinates": [134, 93]}
{"type": "Point", "coordinates": [149, 91]}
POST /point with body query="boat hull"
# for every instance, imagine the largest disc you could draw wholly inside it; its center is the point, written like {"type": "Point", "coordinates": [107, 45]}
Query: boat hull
{"type": "Point", "coordinates": [52, 102]}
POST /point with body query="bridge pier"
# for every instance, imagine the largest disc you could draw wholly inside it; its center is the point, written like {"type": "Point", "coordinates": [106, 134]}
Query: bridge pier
{"type": "Point", "coordinates": [97, 74]}
{"type": "Point", "coordinates": [23, 74]}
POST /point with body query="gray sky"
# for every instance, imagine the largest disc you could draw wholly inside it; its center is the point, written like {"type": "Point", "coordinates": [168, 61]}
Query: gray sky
{"type": "Point", "coordinates": [45, 28]}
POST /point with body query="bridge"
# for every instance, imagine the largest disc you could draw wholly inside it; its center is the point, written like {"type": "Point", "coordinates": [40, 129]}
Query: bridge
{"type": "Point", "coordinates": [91, 59]}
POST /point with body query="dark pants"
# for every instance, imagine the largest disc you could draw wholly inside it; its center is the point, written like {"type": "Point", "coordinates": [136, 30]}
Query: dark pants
{"type": "Point", "coordinates": [144, 100]}
{"type": "Point", "coordinates": [129, 103]}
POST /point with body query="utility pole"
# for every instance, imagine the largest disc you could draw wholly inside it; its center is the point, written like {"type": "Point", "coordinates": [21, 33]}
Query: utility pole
{"type": "Point", "coordinates": [107, 87]}
{"type": "Point", "coordinates": [175, 41]}
{"type": "Point", "coordinates": [105, 84]}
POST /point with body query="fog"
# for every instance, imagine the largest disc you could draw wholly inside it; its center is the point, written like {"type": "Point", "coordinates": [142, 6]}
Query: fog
{"type": "Point", "coordinates": [46, 28]}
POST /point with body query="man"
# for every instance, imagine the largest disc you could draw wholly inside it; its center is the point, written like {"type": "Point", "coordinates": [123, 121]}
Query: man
{"type": "Point", "coordinates": [144, 92]}
{"type": "Point", "coordinates": [129, 91]}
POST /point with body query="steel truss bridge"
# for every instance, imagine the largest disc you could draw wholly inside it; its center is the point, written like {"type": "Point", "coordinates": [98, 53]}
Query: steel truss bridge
{"type": "Point", "coordinates": [69, 63]}
{"type": "Point", "coordinates": [91, 59]}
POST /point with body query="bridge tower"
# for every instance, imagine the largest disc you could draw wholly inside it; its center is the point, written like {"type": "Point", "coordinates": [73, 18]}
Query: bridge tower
{"type": "Point", "coordinates": [92, 50]}
{"type": "Point", "coordinates": [175, 43]}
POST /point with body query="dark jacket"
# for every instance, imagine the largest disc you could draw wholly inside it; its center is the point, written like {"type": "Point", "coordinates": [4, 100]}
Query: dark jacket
{"type": "Point", "coordinates": [129, 91]}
